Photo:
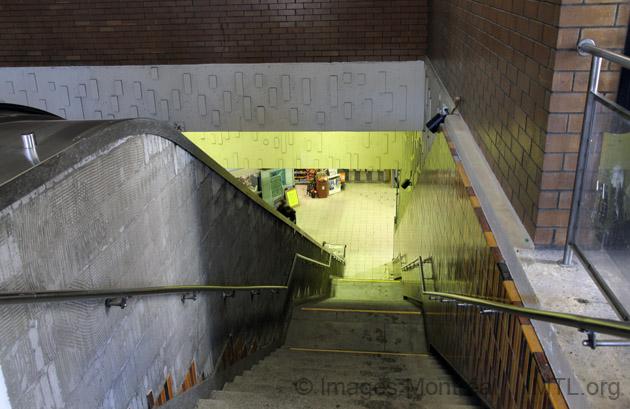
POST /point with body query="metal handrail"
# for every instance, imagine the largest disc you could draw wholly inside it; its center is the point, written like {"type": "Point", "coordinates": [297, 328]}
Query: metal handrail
{"type": "Point", "coordinates": [345, 246]}
{"type": "Point", "coordinates": [587, 46]}
{"type": "Point", "coordinates": [24, 297]}
{"type": "Point", "coordinates": [586, 324]}
{"type": "Point", "coordinates": [73, 295]}
{"type": "Point", "coordinates": [299, 256]}
{"type": "Point", "coordinates": [580, 322]}
{"type": "Point", "coordinates": [413, 263]}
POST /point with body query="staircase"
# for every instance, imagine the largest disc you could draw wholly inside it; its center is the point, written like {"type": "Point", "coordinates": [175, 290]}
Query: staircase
{"type": "Point", "coordinates": [363, 348]}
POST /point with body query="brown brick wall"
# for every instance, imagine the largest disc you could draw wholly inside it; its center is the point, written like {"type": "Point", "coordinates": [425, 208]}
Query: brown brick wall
{"type": "Point", "coordinates": [498, 57]}
{"type": "Point", "coordinates": [93, 32]}
{"type": "Point", "coordinates": [522, 82]}
{"type": "Point", "coordinates": [606, 23]}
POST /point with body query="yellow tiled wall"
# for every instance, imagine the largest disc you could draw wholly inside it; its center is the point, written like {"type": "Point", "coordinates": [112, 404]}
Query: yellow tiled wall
{"type": "Point", "coordinates": [346, 150]}
{"type": "Point", "coordinates": [498, 354]}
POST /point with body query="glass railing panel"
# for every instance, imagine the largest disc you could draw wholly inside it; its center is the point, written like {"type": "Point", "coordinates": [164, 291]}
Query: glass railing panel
{"type": "Point", "coordinates": [603, 226]}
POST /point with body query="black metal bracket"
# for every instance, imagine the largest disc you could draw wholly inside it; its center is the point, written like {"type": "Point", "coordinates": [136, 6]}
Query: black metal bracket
{"type": "Point", "coordinates": [189, 296]}
{"type": "Point", "coordinates": [116, 302]}
{"type": "Point", "coordinates": [228, 294]}
{"type": "Point", "coordinates": [591, 340]}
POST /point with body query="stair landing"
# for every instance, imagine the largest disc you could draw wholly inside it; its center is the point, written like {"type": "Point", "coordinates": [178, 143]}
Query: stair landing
{"type": "Point", "coordinates": [362, 325]}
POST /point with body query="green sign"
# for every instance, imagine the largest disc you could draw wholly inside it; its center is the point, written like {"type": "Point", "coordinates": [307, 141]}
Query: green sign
{"type": "Point", "coordinates": [276, 186]}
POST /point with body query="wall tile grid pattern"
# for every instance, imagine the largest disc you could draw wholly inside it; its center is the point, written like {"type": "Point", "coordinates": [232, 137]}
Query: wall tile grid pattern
{"type": "Point", "coordinates": [210, 31]}
{"type": "Point", "coordinates": [361, 217]}
{"type": "Point", "coordinates": [497, 354]}
{"type": "Point", "coordinates": [514, 63]}
{"type": "Point", "coordinates": [140, 212]}
{"type": "Point", "coordinates": [380, 96]}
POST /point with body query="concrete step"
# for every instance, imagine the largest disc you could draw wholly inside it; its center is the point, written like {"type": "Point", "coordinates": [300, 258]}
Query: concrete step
{"type": "Point", "coordinates": [290, 402]}
{"type": "Point", "coordinates": [290, 372]}
{"type": "Point", "coordinates": [367, 289]}
{"type": "Point", "coordinates": [371, 366]}
{"type": "Point", "coordinates": [298, 353]}
{"type": "Point", "coordinates": [381, 315]}
{"type": "Point", "coordinates": [351, 394]}
{"type": "Point", "coordinates": [356, 367]}
{"type": "Point", "coordinates": [359, 367]}
{"type": "Point", "coordinates": [305, 403]}
{"type": "Point", "coordinates": [351, 367]}
{"type": "Point", "coordinates": [396, 305]}
{"type": "Point", "coordinates": [323, 357]}
{"type": "Point", "coordinates": [357, 336]}
{"type": "Point", "coordinates": [413, 383]}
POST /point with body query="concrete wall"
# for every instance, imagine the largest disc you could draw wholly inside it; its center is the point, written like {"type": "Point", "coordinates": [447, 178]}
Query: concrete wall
{"type": "Point", "coordinates": [137, 211]}
{"type": "Point", "coordinates": [381, 96]}
{"type": "Point", "coordinates": [210, 31]}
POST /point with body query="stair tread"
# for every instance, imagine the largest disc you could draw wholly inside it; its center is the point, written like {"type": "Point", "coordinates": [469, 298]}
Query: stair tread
{"type": "Point", "coordinates": [442, 382]}
{"type": "Point", "coordinates": [363, 315]}
{"type": "Point", "coordinates": [358, 360]}
{"type": "Point", "coordinates": [319, 404]}
{"type": "Point", "coordinates": [238, 402]}
{"type": "Point", "coordinates": [270, 366]}
{"type": "Point", "coordinates": [384, 290]}
{"type": "Point", "coordinates": [421, 386]}
{"type": "Point", "coordinates": [357, 335]}
{"type": "Point", "coordinates": [366, 304]}
{"type": "Point", "coordinates": [349, 365]}
{"type": "Point", "coordinates": [351, 357]}
{"type": "Point", "coordinates": [353, 397]}
{"type": "Point", "coordinates": [349, 369]}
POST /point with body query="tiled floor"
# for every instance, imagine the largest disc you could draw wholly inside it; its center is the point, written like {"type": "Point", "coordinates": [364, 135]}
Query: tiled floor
{"type": "Point", "coordinates": [362, 217]}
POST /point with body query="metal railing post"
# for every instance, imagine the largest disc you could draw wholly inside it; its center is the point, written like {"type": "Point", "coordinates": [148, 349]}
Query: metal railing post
{"type": "Point", "coordinates": [587, 128]}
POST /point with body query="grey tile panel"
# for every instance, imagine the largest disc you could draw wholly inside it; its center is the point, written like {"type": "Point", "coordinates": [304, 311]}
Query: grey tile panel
{"type": "Point", "coordinates": [242, 97]}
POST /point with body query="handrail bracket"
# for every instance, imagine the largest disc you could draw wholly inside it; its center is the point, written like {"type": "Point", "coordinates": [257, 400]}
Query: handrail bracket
{"type": "Point", "coordinates": [116, 302]}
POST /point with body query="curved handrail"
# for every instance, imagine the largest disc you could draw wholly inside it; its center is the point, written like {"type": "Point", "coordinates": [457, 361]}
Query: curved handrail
{"type": "Point", "coordinates": [67, 148]}
{"type": "Point", "coordinates": [583, 323]}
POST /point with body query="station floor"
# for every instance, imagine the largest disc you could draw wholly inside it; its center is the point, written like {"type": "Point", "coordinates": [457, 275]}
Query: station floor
{"type": "Point", "coordinates": [362, 217]}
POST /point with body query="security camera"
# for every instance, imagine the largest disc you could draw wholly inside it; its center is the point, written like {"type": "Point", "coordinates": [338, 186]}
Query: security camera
{"type": "Point", "coordinates": [434, 123]}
